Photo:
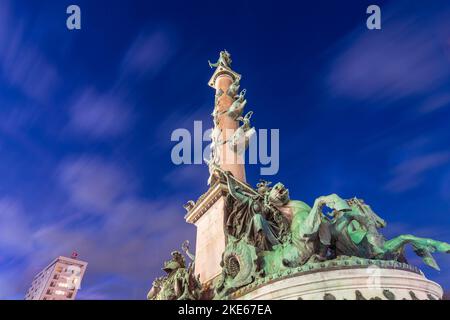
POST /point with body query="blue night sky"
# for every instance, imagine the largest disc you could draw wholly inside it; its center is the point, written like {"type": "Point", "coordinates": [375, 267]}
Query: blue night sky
{"type": "Point", "coordinates": [86, 118]}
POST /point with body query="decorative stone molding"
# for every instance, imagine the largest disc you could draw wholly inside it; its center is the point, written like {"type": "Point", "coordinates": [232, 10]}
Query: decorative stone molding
{"type": "Point", "coordinates": [220, 71]}
{"type": "Point", "coordinates": [205, 202]}
{"type": "Point", "coordinates": [396, 281]}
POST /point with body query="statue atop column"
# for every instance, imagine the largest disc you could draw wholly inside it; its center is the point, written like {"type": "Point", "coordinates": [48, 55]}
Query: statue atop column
{"type": "Point", "coordinates": [224, 60]}
{"type": "Point", "coordinates": [232, 131]}
{"type": "Point", "coordinates": [266, 232]}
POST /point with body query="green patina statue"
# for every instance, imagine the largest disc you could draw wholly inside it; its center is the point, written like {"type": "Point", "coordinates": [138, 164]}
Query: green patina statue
{"type": "Point", "coordinates": [268, 234]}
{"type": "Point", "coordinates": [237, 107]}
{"type": "Point", "coordinates": [249, 218]}
{"type": "Point", "coordinates": [224, 60]}
{"type": "Point", "coordinates": [355, 232]}
{"type": "Point", "coordinates": [234, 88]}
{"type": "Point", "coordinates": [240, 139]}
{"type": "Point", "coordinates": [285, 234]}
{"type": "Point", "coordinates": [180, 283]}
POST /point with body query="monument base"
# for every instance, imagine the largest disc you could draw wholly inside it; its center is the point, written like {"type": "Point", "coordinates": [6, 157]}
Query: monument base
{"type": "Point", "coordinates": [208, 216]}
{"type": "Point", "coordinates": [371, 280]}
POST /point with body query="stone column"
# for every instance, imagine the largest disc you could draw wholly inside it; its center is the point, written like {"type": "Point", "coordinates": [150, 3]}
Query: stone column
{"type": "Point", "coordinates": [208, 213]}
{"type": "Point", "coordinates": [229, 161]}
{"type": "Point", "coordinates": [221, 81]}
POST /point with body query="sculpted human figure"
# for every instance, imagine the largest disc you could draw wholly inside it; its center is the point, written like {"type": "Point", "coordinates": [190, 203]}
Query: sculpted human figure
{"type": "Point", "coordinates": [263, 186]}
{"type": "Point", "coordinates": [237, 107]}
{"type": "Point", "coordinates": [241, 138]}
{"type": "Point", "coordinates": [267, 233]}
{"type": "Point", "coordinates": [156, 288]}
{"type": "Point", "coordinates": [287, 229]}
{"type": "Point", "coordinates": [308, 237]}
{"type": "Point", "coordinates": [355, 232]}
{"type": "Point", "coordinates": [179, 283]}
{"type": "Point", "coordinates": [289, 233]}
{"type": "Point", "coordinates": [224, 60]}
{"type": "Point", "coordinates": [248, 217]}
{"type": "Point", "coordinates": [234, 88]}
{"type": "Point", "coordinates": [356, 220]}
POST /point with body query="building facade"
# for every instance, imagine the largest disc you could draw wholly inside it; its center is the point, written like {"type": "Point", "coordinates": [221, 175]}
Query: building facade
{"type": "Point", "coordinates": [60, 280]}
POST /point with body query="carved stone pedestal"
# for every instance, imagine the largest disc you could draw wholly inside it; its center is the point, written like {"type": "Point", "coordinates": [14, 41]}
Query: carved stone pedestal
{"type": "Point", "coordinates": [208, 217]}
{"type": "Point", "coordinates": [369, 280]}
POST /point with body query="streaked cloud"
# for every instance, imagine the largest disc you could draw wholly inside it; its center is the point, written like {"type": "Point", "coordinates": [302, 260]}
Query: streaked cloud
{"type": "Point", "coordinates": [193, 175]}
{"type": "Point", "coordinates": [85, 129]}
{"type": "Point", "coordinates": [15, 228]}
{"type": "Point", "coordinates": [139, 231]}
{"type": "Point", "coordinates": [103, 115]}
{"type": "Point", "coordinates": [149, 53]}
{"type": "Point", "coordinates": [22, 63]}
{"type": "Point", "coordinates": [445, 186]}
{"type": "Point", "coordinates": [410, 173]}
{"type": "Point", "coordinates": [128, 227]}
{"type": "Point", "coordinates": [400, 61]}
{"type": "Point", "coordinates": [436, 102]}
{"type": "Point", "coordinates": [100, 115]}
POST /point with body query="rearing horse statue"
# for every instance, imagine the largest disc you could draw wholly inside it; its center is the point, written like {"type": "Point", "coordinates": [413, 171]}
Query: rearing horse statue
{"type": "Point", "coordinates": [354, 232]}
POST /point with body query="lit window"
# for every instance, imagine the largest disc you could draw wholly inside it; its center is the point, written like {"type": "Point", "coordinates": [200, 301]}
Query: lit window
{"type": "Point", "coordinates": [60, 293]}
{"type": "Point", "coordinates": [62, 285]}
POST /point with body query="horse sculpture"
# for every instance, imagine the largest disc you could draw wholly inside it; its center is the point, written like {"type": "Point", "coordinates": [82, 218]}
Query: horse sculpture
{"type": "Point", "coordinates": [285, 233]}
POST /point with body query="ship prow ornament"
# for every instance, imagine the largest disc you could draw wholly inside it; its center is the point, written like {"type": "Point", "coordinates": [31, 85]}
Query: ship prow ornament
{"type": "Point", "coordinates": [258, 243]}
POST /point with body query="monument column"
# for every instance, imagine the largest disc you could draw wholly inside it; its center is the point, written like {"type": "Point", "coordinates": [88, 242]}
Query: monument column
{"type": "Point", "coordinates": [226, 83]}
{"type": "Point", "coordinates": [246, 249]}
{"type": "Point", "coordinates": [229, 141]}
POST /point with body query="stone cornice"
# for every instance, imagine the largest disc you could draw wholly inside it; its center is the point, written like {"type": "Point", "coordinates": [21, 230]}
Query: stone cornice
{"type": "Point", "coordinates": [221, 70]}
{"type": "Point", "coordinates": [321, 267]}
{"type": "Point", "coordinates": [205, 202]}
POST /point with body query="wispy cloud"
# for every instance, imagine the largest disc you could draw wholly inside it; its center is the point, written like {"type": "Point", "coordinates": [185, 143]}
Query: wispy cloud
{"type": "Point", "coordinates": [100, 115]}
{"type": "Point", "coordinates": [445, 186]}
{"type": "Point", "coordinates": [436, 102]}
{"type": "Point", "coordinates": [124, 234]}
{"type": "Point", "coordinates": [409, 173]}
{"type": "Point", "coordinates": [402, 60]}
{"type": "Point", "coordinates": [140, 232]}
{"type": "Point", "coordinates": [183, 119]}
{"type": "Point", "coordinates": [94, 184]}
{"type": "Point", "coordinates": [149, 53]}
{"type": "Point", "coordinates": [22, 64]}
{"type": "Point", "coordinates": [437, 232]}
{"type": "Point", "coordinates": [15, 228]}
{"type": "Point", "coordinates": [193, 175]}
{"type": "Point", "coordinates": [103, 115]}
